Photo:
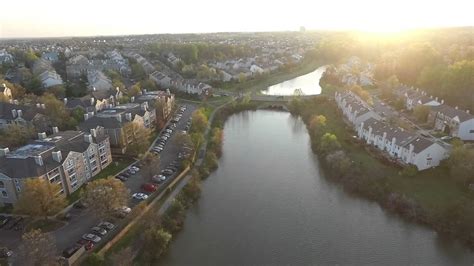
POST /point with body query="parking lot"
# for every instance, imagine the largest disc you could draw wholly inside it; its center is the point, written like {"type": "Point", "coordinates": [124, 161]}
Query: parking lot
{"type": "Point", "coordinates": [80, 221]}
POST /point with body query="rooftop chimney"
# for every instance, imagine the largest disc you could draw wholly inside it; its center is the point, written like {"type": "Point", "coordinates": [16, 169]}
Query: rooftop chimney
{"type": "Point", "coordinates": [4, 152]}
{"type": "Point", "coordinates": [20, 113]}
{"type": "Point", "coordinates": [467, 111]}
{"type": "Point", "coordinates": [442, 101]}
{"type": "Point", "coordinates": [132, 99]}
{"type": "Point", "coordinates": [128, 116]}
{"type": "Point", "coordinates": [119, 118]}
{"type": "Point", "coordinates": [57, 156]}
{"type": "Point", "coordinates": [92, 101]}
{"type": "Point", "coordinates": [65, 101]}
{"type": "Point", "coordinates": [86, 116]}
{"type": "Point", "coordinates": [42, 135]}
{"type": "Point", "coordinates": [38, 105]}
{"type": "Point", "coordinates": [43, 106]}
{"type": "Point", "coordinates": [14, 113]}
{"type": "Point", "coordinates": [456, 107]}
{"type": "Point", "coordinates": [39, 160]}
{"type": "Point", "coordinates": [94, 132]}
{"type": "Point", "coordinates": [55, 130]}
{"type": "Point", "coordinates": [88, 138]}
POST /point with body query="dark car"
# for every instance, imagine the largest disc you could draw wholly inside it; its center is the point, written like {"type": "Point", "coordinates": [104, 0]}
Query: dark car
{"type": "Point", "coordinates": [15, 222]}
{"type": "Point", "coordinates": [121, 178]}
{"type": "Point", "coordinates": [80, 205]}
{"type": "Point", "coordinates": [167, 172]}
{"type": "Point", "coordinates": [5, 221]}
{"type": "Point", "coordinates": [126, 174]}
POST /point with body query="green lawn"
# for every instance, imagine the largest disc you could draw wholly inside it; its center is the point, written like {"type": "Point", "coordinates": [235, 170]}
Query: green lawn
{"type": "Point", "coordinates": [115, 167]}
{"type": "Point", "coordinates": [433, 189]}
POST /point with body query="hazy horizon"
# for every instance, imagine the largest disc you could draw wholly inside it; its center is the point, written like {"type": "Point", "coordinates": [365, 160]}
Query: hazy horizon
{"type": "Point", "coordinates": [53, 18]}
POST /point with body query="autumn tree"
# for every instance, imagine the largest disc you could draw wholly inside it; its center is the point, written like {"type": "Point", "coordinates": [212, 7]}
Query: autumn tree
{"type": "Point", "coordinates": [421, 113]}
{"type": "Point", "coordinates": [156, 240]}
{"type": "Point", "coordinates": [151, 165]}
{"type": "Point", "coordinates": [135, 90]}
{"type": "Point", "coordinates": [40, 198]}
{"type": "Point", "coordinates": [199, 121]}
{"type": "Point", "coordinates": [105, 196]}
{"type": "Point", "coordinates": [139, 137]}
{"type": "Point", "coordinates": [16, 135]}
{"type": "Point", "coordinates": [317, 125]}
{"type": "Point", "coordinates": [57, 112]}
{"type": "Point", "coordinates": [38, 248]}
{"type": "Point", "coordinates": [329, 143]}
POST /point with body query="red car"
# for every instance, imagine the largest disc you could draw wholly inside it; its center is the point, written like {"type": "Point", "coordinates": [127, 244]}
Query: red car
{"type": "Point", "coordinates": [88, 245]}
{"type": "Point", "coordinates": [149, 187]}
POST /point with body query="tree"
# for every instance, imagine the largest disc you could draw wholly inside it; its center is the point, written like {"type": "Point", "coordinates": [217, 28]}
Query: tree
{"type": "Point", "coordinates": [140, 138]}
{"type": "Point", "coordinates": [138, 73]}
{"type": "Point", "coordinates": [123, 258]}
{"type": "Point", "coordinates": [135, 90]}
{"type": "Point", "coordinates": [199, 121]}
{"type": "Point", "coordinates": [56, 111]}
{"type": "Point", "coordinates": [39, 198]}
{"type": "Point", "coordinates": [421, 113]}
{"type": "Point", "coordinates": [151, 165]}
{"type": "Point", "coordinates": [38, 248]}
{"type": "Point", "coordinates": [156, 240]}
{"type": "Point", "coordinates": [16, 135]}
{"type": "Point", "coordinates": [329, 143]}
{"type": "Point", "coordinates": [242, 78]}
{"type": "Point", "coordinates": [105, 196]}
{"type": "Point", "coordinates": [192, 191]}
{"type": "Point", "coordinates": [461, 163]}
{"type": "Point", "coordinates": [59, 91]}
{"type": "Point", "coordinates": [173, 219]}
{"type": "Point", "coordinates": [338, 162]}
{"type": "Point", "coordinates": [317, 125]}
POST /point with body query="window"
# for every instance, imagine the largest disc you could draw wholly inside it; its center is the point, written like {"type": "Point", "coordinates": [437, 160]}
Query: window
{"type": "Point", "coordinates": [4, 194]}
{"type": "Point", "coordinates": [2, 185]}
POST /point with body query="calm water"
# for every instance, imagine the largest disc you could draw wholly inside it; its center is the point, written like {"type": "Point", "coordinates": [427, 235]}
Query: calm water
{"type": "Point", "coordinates": [309, 84]}
{"type": "Point", "coordinates": [269, 204]}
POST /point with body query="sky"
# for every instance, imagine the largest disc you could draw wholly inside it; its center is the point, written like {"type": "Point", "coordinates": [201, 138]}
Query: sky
{"type": "Point", "coordinates": [56, 18]}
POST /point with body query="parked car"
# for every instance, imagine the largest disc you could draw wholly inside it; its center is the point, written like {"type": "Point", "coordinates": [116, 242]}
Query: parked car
{"type": "Point", "coordinates": [140, 196]}
{"type": "Point", "coordinates": [88, 245]}
{"type": "Point", "coordinates": [121, 178]}
{"type": "Point", "coordinates": [107, 226]}
{"type": "Point", "coordinates": [91, 237]}
{"type": "Point", "coordinates": [127, 175]}
{"type": "Point", "coordinates": [149, 187]}
{"type": "Point", "coordinates": [80, 205]}
{"type": "Point", "coordinates": [123, 211]}
{"type": "Point", "coordinates": [167, 172]}
{"type": "Point", "coordinates": [98, 231]}
{"type": "Point", "coordinates": [131, 171]}
{"type": "Point", "coordinates": [5, 252]}
{"type": "Point", "coordinates": [6, 222]}
{"type": "Point", "coordinates": [135, 168]}
{"type": "Point", "coordinates": [15, 222]}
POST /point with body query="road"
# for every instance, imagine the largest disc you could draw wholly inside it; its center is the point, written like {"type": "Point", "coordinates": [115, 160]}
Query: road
{"type": "Point", "coordinates": [81, 220]}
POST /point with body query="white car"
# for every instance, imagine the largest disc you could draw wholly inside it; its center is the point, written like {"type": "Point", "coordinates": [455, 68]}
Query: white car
{"type": "Point", "coordinates": [140, 196]}
{"type": "Point", "coordinates": [106, 225]}
{"type": "Point", "coordinates": [136, 169]}
{"type": "Point", "coordinates": [91, 237]}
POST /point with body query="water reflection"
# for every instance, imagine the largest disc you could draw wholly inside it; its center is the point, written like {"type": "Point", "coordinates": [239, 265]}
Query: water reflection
{"type": "Point", "coordinates": [308, 84]}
